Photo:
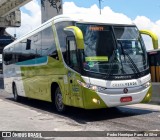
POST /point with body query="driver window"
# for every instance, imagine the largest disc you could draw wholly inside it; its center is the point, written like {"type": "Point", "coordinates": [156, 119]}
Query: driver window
{"type": "Point", "coordinates": [72, 54]}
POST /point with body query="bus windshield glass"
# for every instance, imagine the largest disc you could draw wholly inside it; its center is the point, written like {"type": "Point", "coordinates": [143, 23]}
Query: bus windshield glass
{"type": "Point", "coordinates": [113, 50]}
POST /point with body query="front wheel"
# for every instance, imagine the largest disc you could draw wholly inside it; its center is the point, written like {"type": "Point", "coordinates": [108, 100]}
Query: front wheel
{"type": "Point", "coordinates": [58, 101]}
{"type": "Point", "coordinates": [15, 94]}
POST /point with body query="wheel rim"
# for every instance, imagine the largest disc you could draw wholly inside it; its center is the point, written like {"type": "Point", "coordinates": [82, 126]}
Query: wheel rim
{"type": "Point", "coordinates": [59, 101]}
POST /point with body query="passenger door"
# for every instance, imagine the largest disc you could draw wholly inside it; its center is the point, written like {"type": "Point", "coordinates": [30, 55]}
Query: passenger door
{"type": "Point", "coordinates": [75, 89]}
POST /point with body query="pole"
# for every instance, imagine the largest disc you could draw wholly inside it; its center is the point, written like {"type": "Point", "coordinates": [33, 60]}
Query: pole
{"type": "Point", "coordinates": [100, 6]}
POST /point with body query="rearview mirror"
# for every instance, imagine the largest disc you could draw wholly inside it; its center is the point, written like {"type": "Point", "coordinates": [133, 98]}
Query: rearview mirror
{"type": "Point", "coordinates": [78, 35]}
{"type": "Point", "coordinates": [28, 44]}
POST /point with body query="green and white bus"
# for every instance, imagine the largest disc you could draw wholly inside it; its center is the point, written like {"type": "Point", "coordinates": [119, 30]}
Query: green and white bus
{"type": "Point", "coordinates": [81, 61]}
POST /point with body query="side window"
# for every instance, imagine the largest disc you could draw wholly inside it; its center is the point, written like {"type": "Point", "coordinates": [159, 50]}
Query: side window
{"type": "Point", "coordinates": [17, 52]}
{"type": "Point", "coordinates": [72, 53]}
{"type": "Point", "coordinates": [62, 36]}
{"type": "Point", "coordinates": [30, 48]}
{"type": "Point", "coordinates": [35, 42]}
{"type": "Point", "coordinates": [26, 50]}
{"type": "Point", "coordinates": [48, 43]}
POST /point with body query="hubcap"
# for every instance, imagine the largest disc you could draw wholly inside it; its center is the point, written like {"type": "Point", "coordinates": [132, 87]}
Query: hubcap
{"type": "Point", "coordinates": [59, 102]}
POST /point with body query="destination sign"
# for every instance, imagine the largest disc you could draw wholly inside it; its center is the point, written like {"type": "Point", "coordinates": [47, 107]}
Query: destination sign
{"type": "Point", "coordinates": [96, 28]}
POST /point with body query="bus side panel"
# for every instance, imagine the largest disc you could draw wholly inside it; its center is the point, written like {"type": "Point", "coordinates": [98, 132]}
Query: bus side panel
{"type": "Point", "coordinates": [76, 95]}
{"type": "Point", "coordinates": [12, 74]}
{"type": "Point", "coordinates": [92, 100]}
{"type": "Point", "coordinates": [37, 79]}
{"type": "Point", "coordinates": [17, 79]}
{"type": "Point", "coordinates": [8, 84]}
{"type": "Point", "coordinates": [8, 77]}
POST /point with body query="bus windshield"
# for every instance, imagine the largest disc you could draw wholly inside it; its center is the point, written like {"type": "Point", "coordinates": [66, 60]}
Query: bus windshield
{"type": "Point", "coordinates": [113, 50]}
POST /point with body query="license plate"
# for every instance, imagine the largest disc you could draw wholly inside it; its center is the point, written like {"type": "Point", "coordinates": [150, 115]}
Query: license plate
{"type": "Point", "coordinates": [126, 99]}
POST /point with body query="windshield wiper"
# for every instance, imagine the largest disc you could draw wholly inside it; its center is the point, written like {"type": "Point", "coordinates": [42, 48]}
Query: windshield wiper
{"type": "Point", "coordinates": [114, 55]}
{"type": "Point", "coordinates": [111, 65]}
{"type": "Point", "coordinates": [130, 59]}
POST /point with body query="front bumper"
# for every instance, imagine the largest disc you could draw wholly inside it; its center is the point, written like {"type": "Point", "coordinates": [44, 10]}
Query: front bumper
{"type": "Point", "coordinates": [112, 100]}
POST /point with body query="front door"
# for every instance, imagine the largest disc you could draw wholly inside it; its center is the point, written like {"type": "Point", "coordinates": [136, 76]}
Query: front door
{"type": "Point", "coordinates": [75, 89]}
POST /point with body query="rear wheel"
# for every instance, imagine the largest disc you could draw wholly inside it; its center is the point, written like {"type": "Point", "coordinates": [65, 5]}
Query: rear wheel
{"type": "Point", "coordinates": [58, 101]}
{"type": "Point", "coordinates": [15, 94]}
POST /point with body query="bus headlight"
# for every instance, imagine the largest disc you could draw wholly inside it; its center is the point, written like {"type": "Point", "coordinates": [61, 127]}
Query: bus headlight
{"type": "Point", "coordinates": [92, 87]}
{"type": "Point", "coordinates": [147, 84]}
{"type": "Point", "coordinates": [89, 86]}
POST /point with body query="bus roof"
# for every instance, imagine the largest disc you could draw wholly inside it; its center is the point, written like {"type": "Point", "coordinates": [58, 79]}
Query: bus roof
{"type": "Point", "coordinates": [78, 18]}
{"type": "Point", "coordinates": [93, 19]}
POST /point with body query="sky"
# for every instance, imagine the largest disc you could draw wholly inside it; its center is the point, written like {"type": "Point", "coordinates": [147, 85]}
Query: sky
{"type": "Point", "coordinates": [131, 8]}
{"type": "Point", "coordinates": [144, 13]}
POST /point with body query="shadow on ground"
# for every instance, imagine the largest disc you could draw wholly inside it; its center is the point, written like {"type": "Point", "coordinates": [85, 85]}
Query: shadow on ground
{"type": "Point", "coordinates": [82, 116]}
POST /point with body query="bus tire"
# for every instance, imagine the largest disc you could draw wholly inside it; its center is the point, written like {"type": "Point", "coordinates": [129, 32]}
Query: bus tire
{"type": "Point", "coordinates": [15, 94]}
{"type": "Point", "coordinates": [58, 101]}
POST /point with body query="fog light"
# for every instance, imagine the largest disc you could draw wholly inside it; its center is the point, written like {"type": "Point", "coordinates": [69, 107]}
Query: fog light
{"type": "Point", "coordinates": [96, 101]}
{"type": "Point", "coordinates": [148, 95]}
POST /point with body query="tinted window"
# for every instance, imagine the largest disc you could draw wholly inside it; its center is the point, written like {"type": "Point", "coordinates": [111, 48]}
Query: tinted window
{"type": "Point", "coordinates": [17, 52]}
{"type": "Point", "coordinates": [26, 50]}
{"type": "Point", "coordinates": [38, 45]}
{"type": "Point", "coordinates": [35, 41]}
{"type": "Point", "coordinates": [72, 53]}
{"type": "Point", "coordinates": [62, 36]}
{"type": "Point", "coordinates": [48, 43]}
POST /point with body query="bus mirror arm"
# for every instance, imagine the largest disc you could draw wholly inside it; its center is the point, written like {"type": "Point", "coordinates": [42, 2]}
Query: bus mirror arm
{"type": "Point", "coordinates": [73, 30]}
{"type": "Point", "coordinates": [153, 36]}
